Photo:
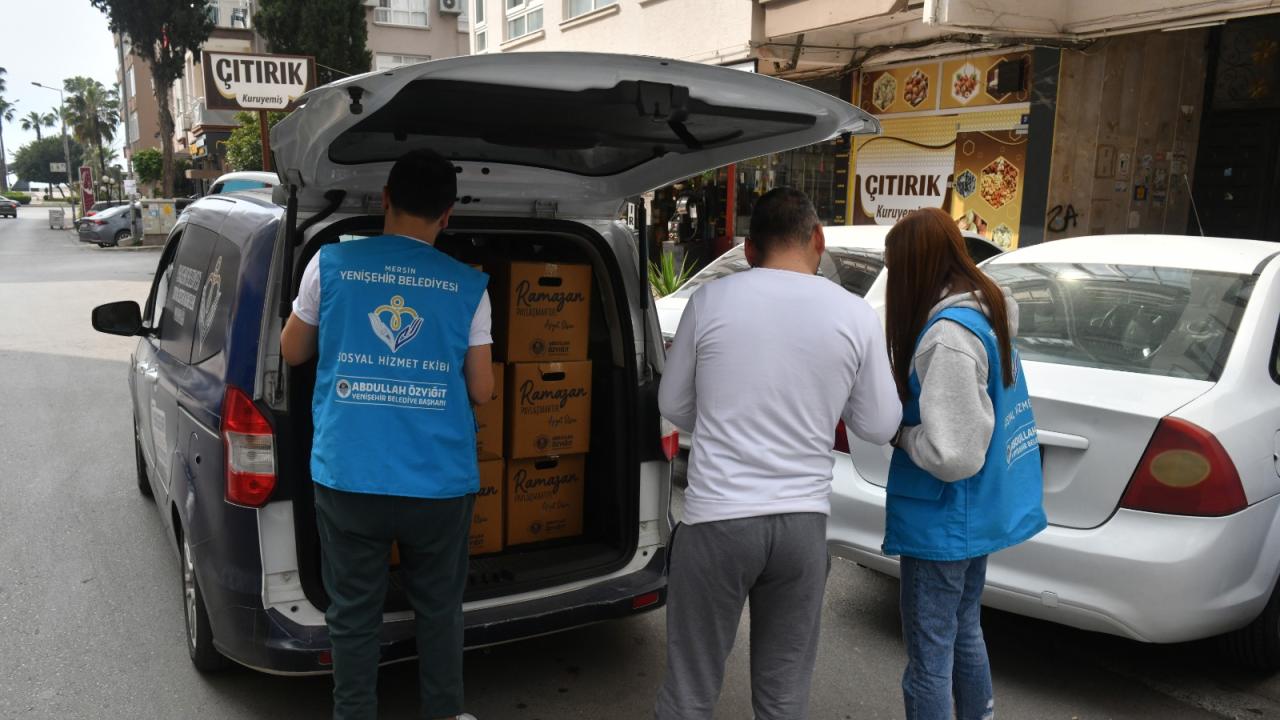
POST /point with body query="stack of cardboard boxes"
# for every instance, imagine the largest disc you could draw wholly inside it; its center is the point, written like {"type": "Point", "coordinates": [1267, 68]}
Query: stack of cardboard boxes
{"type": "Point", "coordinates": [541, 317]}
{"type": "Point", "coordinates": [533, 436]}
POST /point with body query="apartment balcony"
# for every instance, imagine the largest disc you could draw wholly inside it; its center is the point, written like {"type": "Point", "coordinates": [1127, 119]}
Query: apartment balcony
{"type": "Point", "coordinates": [232, 14]}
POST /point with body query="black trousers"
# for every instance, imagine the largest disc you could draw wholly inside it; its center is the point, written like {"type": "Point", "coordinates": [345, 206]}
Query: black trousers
{"type": "Point", "coordinates": [356, 531]}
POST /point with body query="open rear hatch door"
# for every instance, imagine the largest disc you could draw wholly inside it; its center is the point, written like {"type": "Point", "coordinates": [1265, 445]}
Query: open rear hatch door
{"type": "Point", "coordinates": [569, 133]}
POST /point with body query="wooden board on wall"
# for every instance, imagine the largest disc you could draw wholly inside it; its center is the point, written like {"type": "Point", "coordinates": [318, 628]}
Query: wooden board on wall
{"type": "Point", "coordinates": [1120, 102]}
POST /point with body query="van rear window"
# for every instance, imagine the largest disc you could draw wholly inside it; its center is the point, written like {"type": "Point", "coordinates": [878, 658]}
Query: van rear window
{"type": "Point", "coordinates": [599, 131]}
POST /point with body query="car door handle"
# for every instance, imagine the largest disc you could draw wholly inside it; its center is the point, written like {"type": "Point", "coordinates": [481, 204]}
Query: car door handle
{"type": "Point", "coordinates": [152, 373]}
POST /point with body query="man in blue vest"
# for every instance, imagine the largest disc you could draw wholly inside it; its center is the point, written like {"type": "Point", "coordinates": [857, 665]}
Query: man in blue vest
{"type": "Point", "coordinates": [401, 334]}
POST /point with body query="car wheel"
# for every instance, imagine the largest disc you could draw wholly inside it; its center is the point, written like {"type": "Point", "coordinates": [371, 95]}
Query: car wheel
{"type": "Point", "coordinates": [1257, 645]}
{"type": "Point", "coordinates": [144, 486]}
{"type": "Point", "coordinates": [102, 244]}
{"type": "Point", "coordinates": [200, 647]}
{"type": "Point", "coordinates": [121, 236]}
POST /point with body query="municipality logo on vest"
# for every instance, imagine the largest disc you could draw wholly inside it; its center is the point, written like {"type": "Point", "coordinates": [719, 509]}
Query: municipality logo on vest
{"type": "Point", "coordinates": [401, 323]}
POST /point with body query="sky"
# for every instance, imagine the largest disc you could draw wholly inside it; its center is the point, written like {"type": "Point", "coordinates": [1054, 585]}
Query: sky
{"type": "Point", "coordinates": [36, 49]}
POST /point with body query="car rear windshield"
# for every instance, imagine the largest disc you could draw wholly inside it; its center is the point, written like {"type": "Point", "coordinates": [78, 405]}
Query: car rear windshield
{"type": "Point", "coordinates": [1175, 322]}
{"type": "Point", "coordinates": [854, 269]}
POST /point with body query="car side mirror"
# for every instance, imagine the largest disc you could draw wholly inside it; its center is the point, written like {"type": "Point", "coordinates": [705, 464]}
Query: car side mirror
{"type": "Point", "coordinates": [118, 318]}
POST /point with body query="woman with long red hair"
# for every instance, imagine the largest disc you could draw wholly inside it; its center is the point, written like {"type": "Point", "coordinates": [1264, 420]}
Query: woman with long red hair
{"type": "Point", "coordinates": [965, 477]}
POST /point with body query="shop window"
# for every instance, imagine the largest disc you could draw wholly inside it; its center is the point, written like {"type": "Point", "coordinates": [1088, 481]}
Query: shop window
{"type": "Point", "coordinates": [582, 7]}
{"type": "Point", "coordinates": [523, 17]}
{"type": "Point", "coordinates": [402, 12]}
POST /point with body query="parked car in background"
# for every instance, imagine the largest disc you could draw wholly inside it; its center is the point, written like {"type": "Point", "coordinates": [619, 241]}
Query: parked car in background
{"type": "Point", "coordinates": [854, 259]}
{"type": "Point", "coordinates": [1153, 364]}
{"type": "Point", "coordinates": [8, 207]}
{"type": "Point", "coordinates": [107, 227]}
{"type": "Point", "coordinates": [244, 180]}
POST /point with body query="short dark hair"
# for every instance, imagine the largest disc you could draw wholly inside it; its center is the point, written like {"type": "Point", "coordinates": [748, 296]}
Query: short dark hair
{"type": "Point", "coordinates": [422, 183]}
{"type": "Point", "coordinates": [782, 217]}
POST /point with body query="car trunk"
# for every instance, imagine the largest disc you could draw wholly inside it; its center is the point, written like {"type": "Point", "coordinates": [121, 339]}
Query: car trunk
{"type": "Point", "coordinates": [611, 507]}
{"type": "Point", "coordinates": [1093, 430]}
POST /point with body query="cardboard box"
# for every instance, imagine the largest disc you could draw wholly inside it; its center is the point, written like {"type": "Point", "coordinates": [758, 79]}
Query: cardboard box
{"type": "Point", "coordinates": [541, 311]}
{"type": "Point", "coordinates": [545, 498]}
{"type": "Point", "coordinates": [548, 409]}
{"type": "Point", "coordinates": [486, 521]}
{"type": "Point", "coordinates": [489, 419]}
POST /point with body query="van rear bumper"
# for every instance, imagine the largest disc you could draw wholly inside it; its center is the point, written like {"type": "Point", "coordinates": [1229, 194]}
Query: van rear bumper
{"type": "Point", "coordinates": [267, 641]}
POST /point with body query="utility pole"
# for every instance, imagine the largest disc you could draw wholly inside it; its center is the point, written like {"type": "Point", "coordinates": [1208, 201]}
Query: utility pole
{"type": "Point", "coordinates": [66, 146]}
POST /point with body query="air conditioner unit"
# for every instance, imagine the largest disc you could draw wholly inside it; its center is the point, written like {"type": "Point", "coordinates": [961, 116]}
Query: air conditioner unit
{"type": "Point", "coordinates": [451, 7]}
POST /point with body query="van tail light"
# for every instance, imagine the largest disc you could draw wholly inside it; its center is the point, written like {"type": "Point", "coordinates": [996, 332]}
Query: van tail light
{"type": "Point", "coordinates": [842, 439]}
{"type": "Point", "coordinates": [1185, 471]}
{"type": "Point", "coordinates": [250, 448]}
{"type": "Point", "coordinates": [670, 438]}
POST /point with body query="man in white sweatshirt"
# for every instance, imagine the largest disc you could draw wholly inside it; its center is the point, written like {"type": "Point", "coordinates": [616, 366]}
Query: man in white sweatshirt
{"type": "Point", "coordinates": [763, 366]}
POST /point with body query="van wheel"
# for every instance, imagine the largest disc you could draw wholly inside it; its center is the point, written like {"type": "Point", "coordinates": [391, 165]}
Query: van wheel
{"type": "Point", "coordinates": [1257, 645]}
{"type": "Point", "coordinates": [200, 647]}
{"type": "Point", "coordinates": [144, 486]}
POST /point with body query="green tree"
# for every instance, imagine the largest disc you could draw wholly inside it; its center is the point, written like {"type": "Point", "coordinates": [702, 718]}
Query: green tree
{"type": "Point", "coordinates": [34, 121]}
{"type": "Point", "coordinates": [3, 85]}
{"type": "Point", "coordinates": [244, 147]}
{"type": "Point", "coordinates": [31, 162]}
{"type": "Point", "coordinates": [333, 31]}
{"type": "Point", "coordinates": [7, 112]}
{"type": "Point", "coordinates": [148, 165]}
{"type": "Point", "coordinates": [162, 32]}
{"type": "Point", "coordinates": [93, 112]}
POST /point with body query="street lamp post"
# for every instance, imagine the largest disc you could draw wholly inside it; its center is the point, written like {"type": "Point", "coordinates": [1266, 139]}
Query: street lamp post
{"type": "Point", "coordinates": [66, 146]}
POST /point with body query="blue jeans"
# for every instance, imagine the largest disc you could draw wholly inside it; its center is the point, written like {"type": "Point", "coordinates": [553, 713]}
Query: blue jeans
{"type": "Point", "coordinates": [946, 655]}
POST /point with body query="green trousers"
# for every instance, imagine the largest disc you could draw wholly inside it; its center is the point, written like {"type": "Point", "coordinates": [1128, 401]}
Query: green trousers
{"type": "Point", "coordinates": [356, 531]}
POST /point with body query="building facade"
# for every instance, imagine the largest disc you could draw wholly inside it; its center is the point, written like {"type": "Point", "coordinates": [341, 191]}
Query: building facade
{"type": "Point", "coordinates": [1027, 120]}
{"type": "Point", "coordinates": [400, 32]}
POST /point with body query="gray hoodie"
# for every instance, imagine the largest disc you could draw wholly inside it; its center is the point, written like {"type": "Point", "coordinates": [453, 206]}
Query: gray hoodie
{"type": "Point", "coordinates": [956, 419]}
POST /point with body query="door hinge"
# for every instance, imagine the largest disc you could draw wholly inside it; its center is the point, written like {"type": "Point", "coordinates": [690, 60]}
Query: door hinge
{"type": "Point", "coordinates": [545, 208]}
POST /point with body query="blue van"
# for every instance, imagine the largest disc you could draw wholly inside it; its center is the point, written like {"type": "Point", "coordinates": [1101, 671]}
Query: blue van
{"type": "Point", "coordinates": [222, 426]}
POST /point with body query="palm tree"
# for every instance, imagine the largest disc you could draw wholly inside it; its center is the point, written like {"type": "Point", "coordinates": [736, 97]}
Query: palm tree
{"type": "Point", "coordinates": [92, 113]}
{"type": "Point", "coordinates": [7, 112]}
{"type": "Point", "coordinates": [34, 121]}
{"type": "Point", "coordinates": [3, 72]}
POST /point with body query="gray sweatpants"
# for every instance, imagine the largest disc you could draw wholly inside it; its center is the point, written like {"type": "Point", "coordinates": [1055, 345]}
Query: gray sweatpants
{"type": "Point", "coordinates": [780, 562]}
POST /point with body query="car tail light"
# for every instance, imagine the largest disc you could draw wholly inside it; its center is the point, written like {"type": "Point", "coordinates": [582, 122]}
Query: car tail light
{"type": "Point", "coordinates": [1185, 471]}
{"type": "Point", "coordinates": [842, 439]}
{"type": "Point", "coordinates": [670, 438]}
{"type": "Point", "coordinates": [251, 453]}
{"type": "Point", "coordinates": [643, 601]}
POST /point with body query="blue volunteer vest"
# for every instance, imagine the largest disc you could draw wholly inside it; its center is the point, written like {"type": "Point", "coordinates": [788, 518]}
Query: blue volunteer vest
{"type": "Point", "coordinates": [392, 413]}
{"type": "Point", "coordinates": [999, 507]}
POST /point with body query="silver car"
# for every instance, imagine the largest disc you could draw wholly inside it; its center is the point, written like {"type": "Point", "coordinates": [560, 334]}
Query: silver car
{"type": "Point", "coordinates": [106, 228]}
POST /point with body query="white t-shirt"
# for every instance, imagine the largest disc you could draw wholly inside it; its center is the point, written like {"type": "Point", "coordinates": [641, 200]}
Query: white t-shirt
{"type": "Point", "coordinates": [307, 305]}
{"type": "Point", "coordinates": [764, 365]}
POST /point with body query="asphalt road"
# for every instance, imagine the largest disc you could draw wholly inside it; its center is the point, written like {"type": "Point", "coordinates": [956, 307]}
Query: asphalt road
{"type": "Point", "coordinates": [90, 613]}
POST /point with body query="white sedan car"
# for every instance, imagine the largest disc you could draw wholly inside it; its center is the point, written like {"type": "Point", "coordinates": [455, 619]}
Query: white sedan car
{"type": "Point", "coordinates": [1154, 373]}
